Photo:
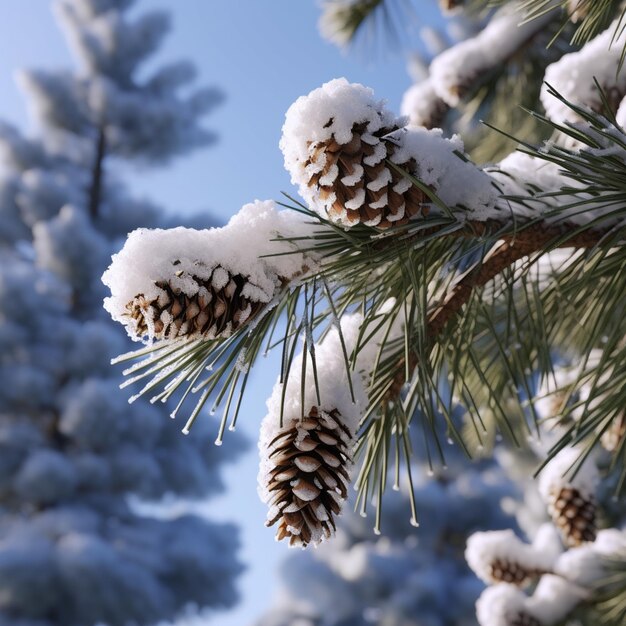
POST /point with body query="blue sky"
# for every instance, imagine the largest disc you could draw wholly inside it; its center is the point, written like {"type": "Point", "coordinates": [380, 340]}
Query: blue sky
{"type": "Point", "coordinates": [263, 55]}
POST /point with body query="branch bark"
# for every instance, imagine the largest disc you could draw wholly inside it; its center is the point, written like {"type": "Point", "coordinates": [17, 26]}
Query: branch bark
{"type": "Point", "coordinates": [514, 247]}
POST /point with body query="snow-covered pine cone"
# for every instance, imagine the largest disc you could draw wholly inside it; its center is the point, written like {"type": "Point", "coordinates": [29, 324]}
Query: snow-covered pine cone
{"type": "Point", "coordinates": [308, 478]}
{"type": "Point", "coordinates": [504, 605]}
{"type": "Point", "coordinates": [216, 307]}
{"type": "Point", "coordinates": [423, 106]}
{"type": "Point", "coordinates": [571, 499]}
{"type": "Point", "coordinates": [337, 142]}
{"type": "Point", "coordinates": [574, 514]}
{"type": "Point", "coordinates": [205, 284]}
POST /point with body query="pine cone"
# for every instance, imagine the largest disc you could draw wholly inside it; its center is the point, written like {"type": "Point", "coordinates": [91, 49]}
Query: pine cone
{"type": "Point", "coordinates": [336, 142]}
{"type": "Point", "coordinates": [503, 571]}
{"type": "Point", "coordinates": [216, 309]}
{"type": "Point", "coordinates": [448, 6]}
{"type": "Point", "coordinates": [524, 619]}
{"type": "Point", "coordinates": [573, 514]}
{"type": "Point", "coordinates": [612, 437]}
{"type": "Point", "coordinates": [309, 477]}
{"type": "Point", "coordinates": [356, 185]}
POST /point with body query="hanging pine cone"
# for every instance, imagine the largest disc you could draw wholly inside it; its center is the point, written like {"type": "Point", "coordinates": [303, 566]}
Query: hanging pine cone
{"type": "Point", "coordinates": [308, 477]}
{"type": "Point", "coordinates": [337, 142]}
{"type": "Point", "coordinates": [216, 309]}
{"type": "Point", "coordinates": [612, 437]}
{"type": "Point", "coordinates": [573, 514]}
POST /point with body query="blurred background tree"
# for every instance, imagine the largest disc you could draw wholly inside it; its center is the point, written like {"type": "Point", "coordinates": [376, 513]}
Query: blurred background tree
{"type": "Point", "coordinates": [73, 552]}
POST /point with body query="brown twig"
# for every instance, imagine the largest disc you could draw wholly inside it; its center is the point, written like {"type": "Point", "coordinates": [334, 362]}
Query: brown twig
{"type": "Point", "coordinates": [514, 247]}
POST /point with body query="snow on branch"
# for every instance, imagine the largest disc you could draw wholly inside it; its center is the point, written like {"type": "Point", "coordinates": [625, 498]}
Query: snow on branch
{"type": "Point", "coordinates": [574, 75]}
{"type": "Point", "coordinates": [454, 72]}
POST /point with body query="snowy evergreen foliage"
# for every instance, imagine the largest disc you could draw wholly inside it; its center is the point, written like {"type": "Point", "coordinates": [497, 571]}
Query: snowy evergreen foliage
{"type": "Point", "coordinates": [72, 550]}
{"type": "Point", "coordinates": [407, 576]}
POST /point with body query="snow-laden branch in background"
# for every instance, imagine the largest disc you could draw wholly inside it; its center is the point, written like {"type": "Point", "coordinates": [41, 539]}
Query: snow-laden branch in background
{"type": "Point", "coordinates": [186, 283]}
{"type": "Point", "coordinates": [572, 76]}
{"type": "Point", "coordinates": [576, 573]}
{"type": "Point", "coordinates": [454, 72]}
{"type": "Point", "coordinates": [423, 106]}
{"type": "Point", "coordinates": [308, 435]}
{"type": "Point", "coordinates": [307, 439]}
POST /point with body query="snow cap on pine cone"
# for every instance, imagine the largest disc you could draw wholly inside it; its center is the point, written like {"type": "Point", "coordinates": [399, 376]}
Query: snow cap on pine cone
{"type": "Point", "coordinates": [571, 499]}
{"type": "Point", "coordinates": [337, 143]}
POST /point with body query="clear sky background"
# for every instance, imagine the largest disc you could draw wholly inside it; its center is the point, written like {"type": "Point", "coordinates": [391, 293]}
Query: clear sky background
{"type": "Point", "coordinates": [263, 55]}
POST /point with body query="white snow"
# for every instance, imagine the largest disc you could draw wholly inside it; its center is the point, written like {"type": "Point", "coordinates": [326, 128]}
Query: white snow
{"type": "Point", "coordinates": [178, 254]}
{"type": "Point", "coordinates": [460, 184]}
{"type": "Point", "coordinates": [553, 599]}
{"type": "Point", "coordinates": [557, 474]}
{"type": "Point", "coordinates": [456, 69]}
{"type": "Point", "coordinates": [519, 173]}
{"type": "Point", "coordinates": [584, 565]}
{"type": "Point", "coordinates": [497, 605]}
{"type": "Point", "coordinates": [572, 76]}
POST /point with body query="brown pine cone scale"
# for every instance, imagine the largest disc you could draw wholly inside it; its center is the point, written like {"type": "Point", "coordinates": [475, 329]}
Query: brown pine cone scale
{"type": "Point", "coordinates": [210, 313]}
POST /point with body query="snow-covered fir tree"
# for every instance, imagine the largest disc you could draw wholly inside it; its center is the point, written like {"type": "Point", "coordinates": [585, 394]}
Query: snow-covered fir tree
{"type": "Point", "coordinates": [428, 253]}
{"type": "Point", "coordinates": [73, 552]}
